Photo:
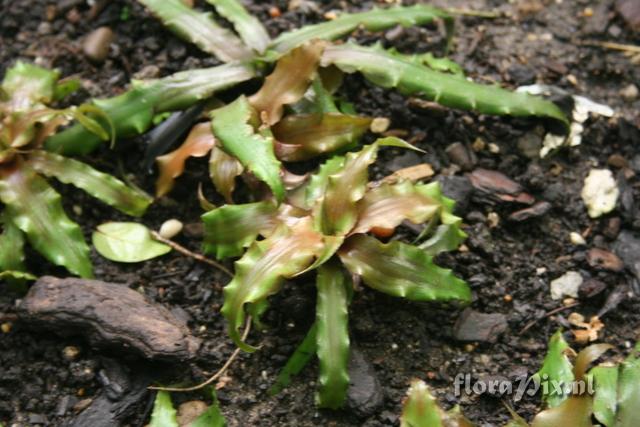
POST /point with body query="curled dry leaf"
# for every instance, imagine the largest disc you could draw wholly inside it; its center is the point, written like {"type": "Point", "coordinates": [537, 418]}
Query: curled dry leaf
{"type": "Point", "coordinates": [289, 81]}
{"type": "Point", "coordinates": [198, 143]}
{"type": "Point", "coordinates": [412, 173]}
{"type": "Point", "coordinates": [589, 331]}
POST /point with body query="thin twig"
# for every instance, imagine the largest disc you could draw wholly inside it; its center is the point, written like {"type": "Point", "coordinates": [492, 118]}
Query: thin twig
{"type": "Point", "coordinates": [550, 313]}
{"type": "Point", "coordinates": [477, 13]}
{"type": "Point", "coordinates": [218, 374]}
{"type": "Point", "coordinates": [188, 253]}
{"type": "Point", "coordinates": [611, 45]}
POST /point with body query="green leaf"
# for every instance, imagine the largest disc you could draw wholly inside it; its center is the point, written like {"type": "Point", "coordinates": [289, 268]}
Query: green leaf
{"type": "Point", "coordinates": [288, 82]}
{"type": "Point", "coordinates": [65, 88]}
{"type": "Point", "coordinates": [199, 28]}
{"type": "Point", "coordinates": [401, 270]}
{"type": "Point", "coordinates": [223, 170]}
{"type": "Point", "coordinates": [16, 275]}
{"type": "Point", "coordinates": [27, 85]}
{"type": "Point", "coordinates": [132, 112]}
{"type": "Point", "coordinates": [163, 414]}
{"type": "Point", "coordinates": [556, 367]}
{"type": "Point", "coordinates": [298, 360]}
{"type": "Point", "coordinates": [448, 236]}
{"type": "Point", "coordinates": [251, 30]}
{"type": "Point", "coordinates": [302, 137]}
{"type": "Point", "coordinates": [373, 20]}
{"type": "Point", "coordinates": [420, 408]}
{"type": "Point", "coordinates": [317, 184]}
{"type": "Point", "coordinates": [605, 400]}
{"type": "Point", "coordinates": [36, 209]}
{"type": "Point", "coordinates": [100, 185]}
{"type": "Point", "coordinates": [411, 78]}
{"type": "Point", "coordinates": [212, 417]}
{"type": "Point", "coordinates": [11, 245]}
{"type": "Point", "coordinates": [444, 65]}
{"type": "Point", "coordinates": [233, 126]}
{"type": "Point", "coordinates": [259, 273]}
{"type": "Point", "coordinates": [231, 228]}
{"type": "Point", "coordinates": [127, 242]}
{"type": "Point", "coordinates": [332, 335]}
{"type": "Point", "coordinates": [629, 392]}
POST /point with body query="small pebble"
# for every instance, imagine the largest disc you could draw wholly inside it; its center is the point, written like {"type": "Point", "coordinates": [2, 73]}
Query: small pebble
{"type": "Point", "coordinates": [380, 125]}
{"type": "Point", "coordinates": [70, 352]}
{"type": "Point", "coordinates": [274, 12]}
{"type": "Point", "coordinates": [478, 145]}
{"type": "Point", "coordinates": [494, 148]}
{"type": "Point", "coordinates": [6, 327]}
{"type": "Point", "coordinates": [96, 45]}
{"type": "Point", "coordinates": [600, 192]}
{"type": "Point", "coordinates": [577, 239]}
{"type": "Point", "coordinates": [629, 93]}
{"type": "Point", "coordinates": [493, 219]}
{"type": "Point", "coordinates": [617, 161]}
{"type": "Point", "coordinates": [170, 228]}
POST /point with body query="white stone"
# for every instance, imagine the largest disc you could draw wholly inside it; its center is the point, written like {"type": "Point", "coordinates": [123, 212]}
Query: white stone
{"type": "Point", "coordinates": [170, 228]}
{"type": "Point", "coordinates": [576, 238]}
{"type": "Point", "coordinates": [600, 192]}
{"type": "Point", "coordinates": [566, 285]}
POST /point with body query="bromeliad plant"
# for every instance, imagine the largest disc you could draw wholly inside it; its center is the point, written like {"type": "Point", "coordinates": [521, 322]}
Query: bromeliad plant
{"type": "Point", "coordinates": [322, 224]}
{"type": "Point", "coordinates": [327, 219]}
{"type": "Point", "coordinates": [614, 403]}
{"type": "Point", "coordinates": [32, 208]}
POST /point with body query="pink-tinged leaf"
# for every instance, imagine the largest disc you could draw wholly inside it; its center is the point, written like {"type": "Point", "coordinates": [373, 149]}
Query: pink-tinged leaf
{"type": "Point", "coordinates": [36, 209]}
{"type": "Point", "coordinates": [337, 212]}
{"type": "Point", "coordinates": [288, 82]}
{"type": "Point", "coordinates": [198, 143]}
{"type": "Point", "coordinates": [302, 137]}
{"type": "Point", "coordinates": [387, 206]}
{"type": "Point", "coordinates": [574, 411]}
{"type": "Point", "coordinates": [231, 228]}
{"type": "Point", "coordinates": [401, 270]}
{"type": "Point", "coordinates": [259, 273]}
{"type": "Point", "coordinates": [98, 184]}
{"type": "Point", "coordinates": [223, 170]}
{"type": "Point", "coordinates": [586, 357]}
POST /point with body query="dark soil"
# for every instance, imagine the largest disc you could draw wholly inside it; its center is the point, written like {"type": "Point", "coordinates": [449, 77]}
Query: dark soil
{"type": "Point", "coordinates": [509, 266]}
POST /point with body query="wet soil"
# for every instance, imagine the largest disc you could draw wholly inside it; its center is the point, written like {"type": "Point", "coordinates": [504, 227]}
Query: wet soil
{"type": "Point", "coordinates": [509, 264]}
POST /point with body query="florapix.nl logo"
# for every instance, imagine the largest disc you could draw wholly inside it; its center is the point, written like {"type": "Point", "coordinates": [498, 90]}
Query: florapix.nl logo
{"type": "Point", "coordinates": [517, 388]}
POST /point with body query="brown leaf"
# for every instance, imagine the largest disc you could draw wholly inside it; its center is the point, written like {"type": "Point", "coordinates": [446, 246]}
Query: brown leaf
{"type": "Point", "coordinates": [385, 207]}
{"type": "Point", "coordinates": [223, 170]}
{"type": "Point", "coordinates": [305, 136]}
{"type": "Point", "coordinates": [288, 82]}
{"type": "Point", "coordinates": [199, 142]}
